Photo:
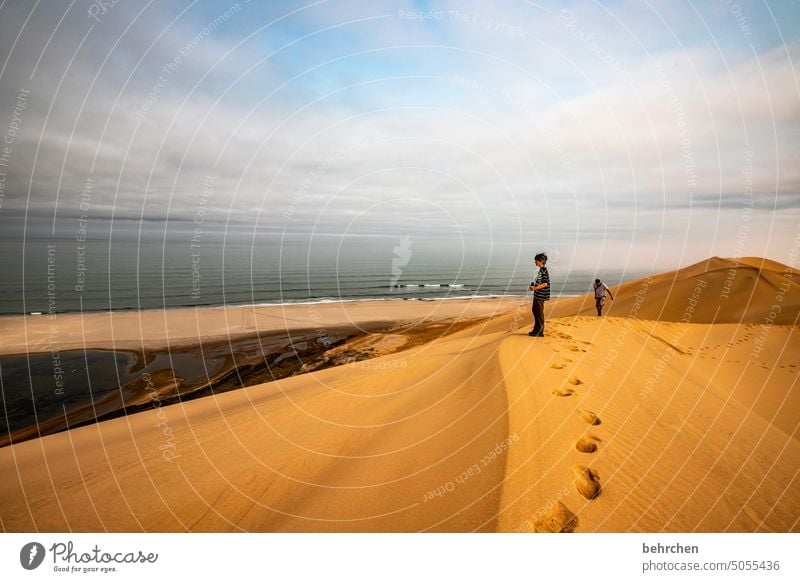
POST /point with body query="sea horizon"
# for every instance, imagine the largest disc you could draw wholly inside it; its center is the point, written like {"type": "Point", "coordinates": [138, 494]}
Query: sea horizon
{"type": "Point", "coordinates": [51, 276]}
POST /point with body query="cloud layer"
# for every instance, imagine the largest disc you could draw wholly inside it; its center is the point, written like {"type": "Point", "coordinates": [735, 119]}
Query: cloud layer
{"type": "Point", "coordinates": [645, 135]}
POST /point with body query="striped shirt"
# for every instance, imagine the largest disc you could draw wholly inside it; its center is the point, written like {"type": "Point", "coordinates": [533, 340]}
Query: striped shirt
{"type": "Point", "coordinates": [542, 277]}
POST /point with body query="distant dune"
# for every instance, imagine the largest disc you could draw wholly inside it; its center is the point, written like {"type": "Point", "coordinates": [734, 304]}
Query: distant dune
{"type": "Point", "coordinates": [631, 422]}
{"type": "Point", "coordinates": [742, 290]}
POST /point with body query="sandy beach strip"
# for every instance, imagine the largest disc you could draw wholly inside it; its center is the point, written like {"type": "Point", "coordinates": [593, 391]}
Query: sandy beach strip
{"type": "Point", "coordinates": [175, 327]}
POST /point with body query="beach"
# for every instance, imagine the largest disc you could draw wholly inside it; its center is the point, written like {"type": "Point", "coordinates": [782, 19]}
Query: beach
{"type": "Point", "coordinates": [675, 412]}
{"type": "Point", "coordinates": [159, 328]}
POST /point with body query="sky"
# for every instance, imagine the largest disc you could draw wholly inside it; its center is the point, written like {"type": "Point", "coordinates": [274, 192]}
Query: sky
{"type": "Point", "coordinates": [642, 135]}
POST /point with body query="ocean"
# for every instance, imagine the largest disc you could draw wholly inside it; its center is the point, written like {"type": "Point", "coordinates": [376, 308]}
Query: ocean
{"type": "Point", "coordinates": [65, 275]}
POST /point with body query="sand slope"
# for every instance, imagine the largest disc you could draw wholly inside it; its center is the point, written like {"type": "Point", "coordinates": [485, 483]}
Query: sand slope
{"type": "Point", "coordinates": [349, 448]}
{"type": "Point", "coordinates": [689, 438]}
{"type": "Point", "coordinates": [746, 290]}
{"type": "Point", "coordinates": [685, 427]}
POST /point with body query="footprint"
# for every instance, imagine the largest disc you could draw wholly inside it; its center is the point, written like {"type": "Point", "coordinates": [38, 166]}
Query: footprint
{"type": "Point", "coordinates": [589, 417]}
{"type": "Point", "coordinates": [563, 392]}
{"type": "Point", "coordinates": [587, 444]}
{"type": "Point", "coordinates": [557, 366]}
{"type": "Point", "coordinates": [586, 481]}
{"type": "Point", "coordinates": [559, 519]}
{"type": "Point", "coordinates": [574, 381]}
{"type": "Point", "coordinates": [568, 360]}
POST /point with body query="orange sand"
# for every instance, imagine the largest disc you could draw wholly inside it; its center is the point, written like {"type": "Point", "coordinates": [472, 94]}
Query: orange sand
{"type": "Point", "coordinates": [616, 424]}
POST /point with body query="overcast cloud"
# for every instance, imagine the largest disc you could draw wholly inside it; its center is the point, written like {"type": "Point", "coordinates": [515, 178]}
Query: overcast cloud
{"type": "Point", "coordinates": [647, 134]}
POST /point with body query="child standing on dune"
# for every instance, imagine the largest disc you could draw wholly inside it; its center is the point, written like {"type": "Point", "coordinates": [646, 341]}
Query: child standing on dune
{"type": "Point", "coordinates": [541, 293]}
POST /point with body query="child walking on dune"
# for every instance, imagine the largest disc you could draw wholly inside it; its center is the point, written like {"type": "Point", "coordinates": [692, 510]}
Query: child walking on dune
{"type": "Point", "coordinates": [541, 293]}
{"type": "Point", "coordinates": [600, 290]}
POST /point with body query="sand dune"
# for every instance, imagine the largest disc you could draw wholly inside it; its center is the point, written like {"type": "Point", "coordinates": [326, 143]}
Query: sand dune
{"type": "Point", "coordinates": [747, 290]}
{"type": "Point", "coordinates": [689, 439]}
{"type": "Point", "coordinates": [667, 427]}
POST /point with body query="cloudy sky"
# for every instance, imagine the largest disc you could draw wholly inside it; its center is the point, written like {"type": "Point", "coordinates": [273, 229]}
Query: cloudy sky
{"type": "Point", "coordinates": [637, 133]}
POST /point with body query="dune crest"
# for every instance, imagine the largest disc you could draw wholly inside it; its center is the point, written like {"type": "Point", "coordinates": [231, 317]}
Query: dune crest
{"type": "Point", "coordinates": [745, 290]}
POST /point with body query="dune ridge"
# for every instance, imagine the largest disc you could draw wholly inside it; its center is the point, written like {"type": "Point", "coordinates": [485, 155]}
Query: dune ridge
{"type": "Point", "coordinates": [744, 290]}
